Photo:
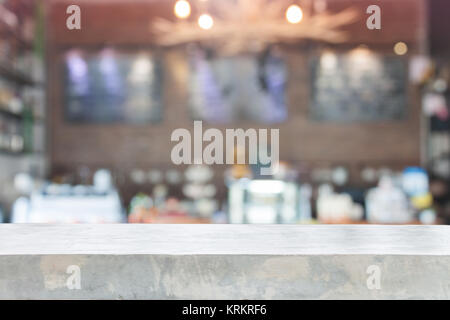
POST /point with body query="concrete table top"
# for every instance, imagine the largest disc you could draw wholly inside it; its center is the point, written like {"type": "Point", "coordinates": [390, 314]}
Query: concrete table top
{"type": "Point", "coordinates": [225, 262]}
{"type": "Point", "coordinates": [127, 239]}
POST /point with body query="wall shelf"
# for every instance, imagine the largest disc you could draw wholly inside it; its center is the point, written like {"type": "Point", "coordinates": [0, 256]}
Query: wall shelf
{"type": "Point", "coordinates": [16, 76]}
{"type": "Point", "coordinates": [5, 112]}
{"type": "Point", "coordinates": [11, 153]}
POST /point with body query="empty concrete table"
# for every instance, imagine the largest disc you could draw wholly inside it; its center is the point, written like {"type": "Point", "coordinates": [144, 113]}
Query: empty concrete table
{"type": "Point", "coordinates": [224, 262]}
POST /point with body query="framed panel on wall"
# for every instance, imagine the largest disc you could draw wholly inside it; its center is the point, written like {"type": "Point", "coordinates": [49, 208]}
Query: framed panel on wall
{"type": "Point", "coordinates": [110, 86]}
{"type": "Point", "coordinates": [359, 86]}
{"type": "Point", "coordinates": [245, 87]}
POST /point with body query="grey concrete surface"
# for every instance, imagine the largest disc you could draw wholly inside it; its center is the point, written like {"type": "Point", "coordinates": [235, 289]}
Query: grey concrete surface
{"type": "Point", "coordinates": [224, 262]}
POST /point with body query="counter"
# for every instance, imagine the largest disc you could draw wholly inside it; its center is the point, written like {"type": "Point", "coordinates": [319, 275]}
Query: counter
{"type": "Point", "coordinates": [224, 262]}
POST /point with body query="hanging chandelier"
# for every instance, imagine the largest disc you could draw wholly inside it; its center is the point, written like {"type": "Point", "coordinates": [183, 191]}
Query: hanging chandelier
{"type": "Point", "coordinates": [243, 25]}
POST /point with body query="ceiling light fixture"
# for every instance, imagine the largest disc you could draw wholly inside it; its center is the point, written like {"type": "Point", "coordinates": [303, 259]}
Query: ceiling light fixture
{"type": "Point", "coordinates": [253, 25]}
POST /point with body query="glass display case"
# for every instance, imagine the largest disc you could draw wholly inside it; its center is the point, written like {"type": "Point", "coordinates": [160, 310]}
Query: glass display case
{"type": "Point", "coordinates": [263, 201]}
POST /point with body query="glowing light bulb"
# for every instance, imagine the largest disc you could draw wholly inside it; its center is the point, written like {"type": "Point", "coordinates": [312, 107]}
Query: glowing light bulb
{"type": "Point", "coordinates": [182, 9]}
{"type": "Point", "coordinates": [294, 14]}
{"type": "Point", "coordinates": [205, 21]}
{"type": "Point", "coordinates": [400, 48]}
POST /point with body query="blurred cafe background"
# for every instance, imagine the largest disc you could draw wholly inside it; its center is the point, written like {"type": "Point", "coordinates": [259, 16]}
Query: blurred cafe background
{"type": "Point", "coordinates": [86, 114]}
